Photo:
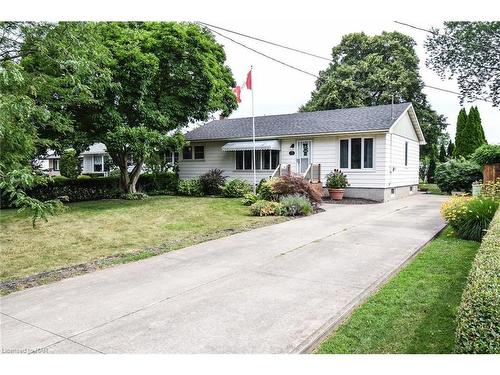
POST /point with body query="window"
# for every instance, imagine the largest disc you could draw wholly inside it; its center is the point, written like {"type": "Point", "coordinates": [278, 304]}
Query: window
{"type": "Point", "coordinates": [187, 153]}
{"type": "Point", "coordinates": [199, 152]}
{"type": "Point", "coordinates": [356, 153]}
{"type": "Point", "coordinates": [368, 153]}
{"type": "Point", "coordinates": [248, 159]}
{"type": "Point", "coordinates": [264, 159]}
{"type": "Point", "coordinates": [239, 159]}
{"type": "Point", "coordinates": [97, 163]}
{"type": "Point", "coordinates": [55, 164]}
{"type": "Point", "coordinates": [344, 153]}
{"type": "Point", "coordinates": [406, 153]}
{"type": "Point", "coordinates": [172, 157]}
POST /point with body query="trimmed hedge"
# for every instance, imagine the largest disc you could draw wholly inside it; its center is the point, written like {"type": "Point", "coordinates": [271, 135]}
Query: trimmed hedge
{"type": "Point", "coordinates": [86, 189]}
{"type": "Point", "coordinates": [478, 318]}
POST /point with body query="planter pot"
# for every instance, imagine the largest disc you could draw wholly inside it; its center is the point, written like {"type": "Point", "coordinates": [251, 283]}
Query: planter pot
{"type": "Point", "coordinates": [336, 194]}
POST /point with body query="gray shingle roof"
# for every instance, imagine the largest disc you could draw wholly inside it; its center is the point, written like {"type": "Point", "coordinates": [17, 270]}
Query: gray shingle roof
{"type": "Point", "coordinates": [331, 121]}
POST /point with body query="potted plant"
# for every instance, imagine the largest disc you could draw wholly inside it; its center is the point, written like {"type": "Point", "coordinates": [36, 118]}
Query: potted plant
{"type": "Point", "coordinates": [336, 182]}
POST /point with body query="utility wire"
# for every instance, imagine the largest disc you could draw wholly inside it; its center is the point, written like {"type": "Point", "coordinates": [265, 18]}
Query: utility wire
{"type": "Point", "coordinates": [266, 41]}
{"type": "Point", "coordinates": [263, 54]}
{"type": "Point", "coordinates": [210, 27]}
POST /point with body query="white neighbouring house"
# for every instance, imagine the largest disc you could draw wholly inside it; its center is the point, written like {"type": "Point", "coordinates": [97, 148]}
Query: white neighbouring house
{"type": "Point", "coordinates": [376, 147]}
{"type": "Point", "coordinates": [93, 161]}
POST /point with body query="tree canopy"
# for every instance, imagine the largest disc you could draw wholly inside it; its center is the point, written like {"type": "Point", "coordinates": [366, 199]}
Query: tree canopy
{"type": "Point", "coordinates": [469, 52]}
{"type": "Point", "coordinates": [372, 70]}
{"type": "Point", "coordinates": [470, 134]}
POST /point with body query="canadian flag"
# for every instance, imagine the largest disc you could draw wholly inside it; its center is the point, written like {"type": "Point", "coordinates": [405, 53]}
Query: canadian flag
{"type": "Point", "coordinates": [247, 84]}
{"type": "Point", "coordinates": [237, 92]}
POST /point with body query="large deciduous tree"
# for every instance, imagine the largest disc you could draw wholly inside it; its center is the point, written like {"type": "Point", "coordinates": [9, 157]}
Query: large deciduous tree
{"type": "Point", "coordinates": [44, 69]}
{"type": "Point", "coordinates": [469, 52]}
{"type": "Point", "coordinates": [372, 70]}
{"type": "Point", "coordinates": [163, 76]}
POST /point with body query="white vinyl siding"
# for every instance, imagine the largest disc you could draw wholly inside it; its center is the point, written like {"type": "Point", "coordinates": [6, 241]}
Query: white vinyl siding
{"type": "Point", "coordinates": [401, 174]}
{"type": "Point", "coordinates": [216, 158]}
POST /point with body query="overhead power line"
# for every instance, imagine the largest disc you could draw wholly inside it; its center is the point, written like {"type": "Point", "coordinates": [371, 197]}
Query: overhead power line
{"type": "Point", "coordinates": [263, 54]}
{"type": "Point", "coordinates": [267, 41]}
{"type": "Point", "coordinates": [211, 28]}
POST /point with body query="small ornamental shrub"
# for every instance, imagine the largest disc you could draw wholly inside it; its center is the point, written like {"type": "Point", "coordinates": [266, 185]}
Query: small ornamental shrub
{"type": "Point", "coordinates": [295, 205]}
{"type": "Point", "coordinates": [289, 185]}
{"type": "Point", "coordinates": [265, 208]}
{"type": "Point", "coordinates": [236, 188]}
{"type": "Point", "coordinates": [491, 189]}
{"type": "Point", "coordinates": [191, 188]}
{"type": "Point", "coordinates": [264, 190]}
{"type": "Point", "coordinates": [469, 216]}
{"type": "Point", "coordinates": [70, 164]}
{"type": "Point", "coordinates": [249, 199]}
{"type": "Point", "coordinates": [135, 196]}
{"type": "Point", "coordinates": [486, 154]}
{"type": "Point", "coordinates": [212, 181]}
{"type": "Point", "coordinates": [478, 316]}
{"type": "Point", "coordinates": [457, 175]}
{"type": "Point", "coordinates": [336, 180]}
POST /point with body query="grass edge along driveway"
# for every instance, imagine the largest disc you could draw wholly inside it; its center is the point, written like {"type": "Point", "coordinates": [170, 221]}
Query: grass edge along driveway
{"type": "Point", "coordinates": [415, 312]}
{"type": "Point", "coordinates": [130, 229]}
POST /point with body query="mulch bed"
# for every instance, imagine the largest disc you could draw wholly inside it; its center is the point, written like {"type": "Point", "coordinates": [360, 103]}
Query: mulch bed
{"type": "Point", "coordinates": [350, 201]}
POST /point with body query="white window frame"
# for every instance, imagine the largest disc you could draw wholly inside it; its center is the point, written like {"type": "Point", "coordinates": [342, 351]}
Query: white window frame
{"type": "Point", "coordinates": [102, 164]}
{"type": "Point", "coordinates": [192, 158]}
{"type": "Point", "coordinates": [349, 169]}
{"type": "Point", "coordinates": [261, 160]}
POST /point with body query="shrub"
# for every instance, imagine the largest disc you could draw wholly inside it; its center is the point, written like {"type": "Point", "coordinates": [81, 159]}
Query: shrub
{"type": "Point", "coordinates": [249, 199]}
{"type": "Point", "coordinates": [70, 164]}
{"type": "Point", "coordinates": [469, 216]}
{"type": "Point", "coordinates": [293, 205]}
{"type": "Point", "coordinates": [491, 189]}
{"type": "Point", "coordinates": [265, 208]}
{"type": "Point", "coordinates": [87, 188]}
{"type": "Point", "coordinates": [478, 317]}
{"type": "Point", "coordinates": [212, 181]}
{"type": "Point", "coordinates": [457, 175]}
{"type": "Point", "coordinates": [264, 190]}
{"type": "Point", "coordinates": [190, 188]}
{"type": "Point", "coordinates": [135, 196]}
{"type": "Point", "coordinates": [236, 188]}
{"type": "Point", "coordinates": [336, 180]}
{"type": "Point", "coordinates": [289, 185]}
{"type": "Point", "coordinates": [83, 177]}
{"type": "Point", "coordinates": [486, 154]}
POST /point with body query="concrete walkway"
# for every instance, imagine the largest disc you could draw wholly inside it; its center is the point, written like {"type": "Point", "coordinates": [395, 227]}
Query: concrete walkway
{"type": "Point", "coordinates": [275, 289]}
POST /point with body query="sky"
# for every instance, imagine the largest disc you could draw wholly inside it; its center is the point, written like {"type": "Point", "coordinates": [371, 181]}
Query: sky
{"type": "Point", "coordinates": [279, 89]}
{"type": "Point", "coordinates": [313, 25]}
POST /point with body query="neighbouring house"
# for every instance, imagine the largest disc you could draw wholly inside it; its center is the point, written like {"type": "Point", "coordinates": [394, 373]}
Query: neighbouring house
{"type": "Point", "coordinates": [376, 147]}
{"type": "Point", "coordinates": [49, 163]}
{"type": "Point", "coordinates": [95, 160]}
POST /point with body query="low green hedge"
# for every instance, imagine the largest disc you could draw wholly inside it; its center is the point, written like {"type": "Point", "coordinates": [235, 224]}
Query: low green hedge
{"type": "Point", "coordinates": [85, 189]}
{"type": "Point", "coordinates": [478, 318]}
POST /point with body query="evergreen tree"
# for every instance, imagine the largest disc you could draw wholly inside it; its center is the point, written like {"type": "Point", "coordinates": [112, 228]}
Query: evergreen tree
{"type": "Point", "coordinates": [431, 170]}
{"type": "Point", "coordinates": [473, 133]}
{"type": "Point", "coordinates": [451, 148]}
{"type": "Point", "coordinates": [460, 136]}
{"type": "Point", "coordinates": [442, 154]}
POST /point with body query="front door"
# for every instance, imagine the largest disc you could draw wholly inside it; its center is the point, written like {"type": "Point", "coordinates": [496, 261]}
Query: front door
{"type": "Point", "coordinates": [303, 156]}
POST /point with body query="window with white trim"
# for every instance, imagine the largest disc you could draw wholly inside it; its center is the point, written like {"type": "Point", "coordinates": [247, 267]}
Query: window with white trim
{"type": "Point", "coordinates": [264, 159]}
{"type": "Point", "coordinates": [97, 163]}
{"type": "Point", "coordinates": [356, 153]}
{"type": "Point", "coordinates": [193, 152]}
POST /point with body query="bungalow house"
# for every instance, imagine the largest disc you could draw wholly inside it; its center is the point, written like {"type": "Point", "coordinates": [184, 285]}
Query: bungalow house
{"type": "Point", "coordinates": [376, 147]}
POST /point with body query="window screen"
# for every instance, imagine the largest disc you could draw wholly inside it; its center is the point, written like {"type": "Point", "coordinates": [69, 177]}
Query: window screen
{"type": "Point", "coordinates": [368, 153]}
{"type": "Point", "coordinates": [199, 152]}
{"type": "Point", "coordinates": [344, 153]}
{"type": "Point", "coordinates": [239, 159]}
{"type": "Point", "coordinates": [356, 153]}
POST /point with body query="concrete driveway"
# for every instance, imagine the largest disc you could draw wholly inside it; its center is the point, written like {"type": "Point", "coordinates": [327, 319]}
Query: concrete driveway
{"type": "Point", "coordinates": [276, 289]}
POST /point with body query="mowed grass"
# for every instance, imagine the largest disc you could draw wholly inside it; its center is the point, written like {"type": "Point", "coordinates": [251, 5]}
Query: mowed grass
{"type": "Point", "coordinates": [91, 230]}
{"type": "Point", "coordinates": [415, 312]}
{"type": "Point", "coordinates": [431, 188]}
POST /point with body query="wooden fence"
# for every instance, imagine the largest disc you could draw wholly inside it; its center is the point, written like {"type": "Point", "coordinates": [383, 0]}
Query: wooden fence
{"type": "Point", "coordinates": [491, 172]}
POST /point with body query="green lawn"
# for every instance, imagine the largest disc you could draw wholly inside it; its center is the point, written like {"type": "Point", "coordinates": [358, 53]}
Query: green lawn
{"type": "Point", "coordinates": [92, 230]}
{"type": "Point", "coordinates": [430, 188]}
{"type": "Point", "coordinates": [415, 311]}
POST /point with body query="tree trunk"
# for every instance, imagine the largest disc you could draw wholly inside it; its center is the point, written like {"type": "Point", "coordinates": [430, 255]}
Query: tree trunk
{"type": "Point", "coordinates": [128, 181]}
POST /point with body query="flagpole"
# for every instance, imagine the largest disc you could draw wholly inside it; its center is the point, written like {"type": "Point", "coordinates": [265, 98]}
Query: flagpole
{"type": "Point", "coordinates": [253, 137]}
